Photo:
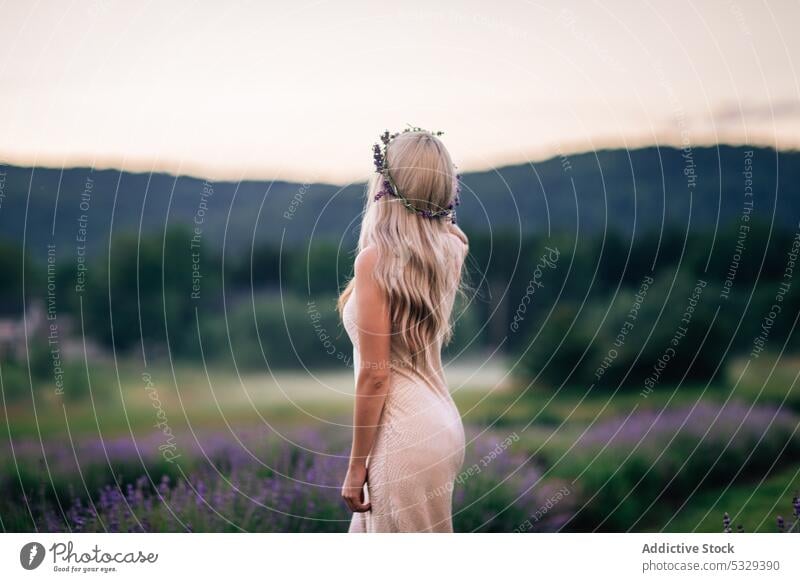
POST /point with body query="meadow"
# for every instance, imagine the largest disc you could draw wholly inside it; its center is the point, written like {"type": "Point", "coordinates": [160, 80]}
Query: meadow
{"type": "Point", "coordinates": [181, 448]}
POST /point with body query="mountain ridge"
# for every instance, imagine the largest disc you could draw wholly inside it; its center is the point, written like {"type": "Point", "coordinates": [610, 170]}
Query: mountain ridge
{"type": "Point", "coordinates": [620, 190]}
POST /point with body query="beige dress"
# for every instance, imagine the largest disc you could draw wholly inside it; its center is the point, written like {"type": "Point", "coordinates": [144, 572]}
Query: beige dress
{"type": "Point", "coordinates": [418, 450]}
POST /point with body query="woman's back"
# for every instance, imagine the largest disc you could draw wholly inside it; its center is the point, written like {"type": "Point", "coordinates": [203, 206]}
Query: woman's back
{"type": "Point", "coordinates": [419, 447]}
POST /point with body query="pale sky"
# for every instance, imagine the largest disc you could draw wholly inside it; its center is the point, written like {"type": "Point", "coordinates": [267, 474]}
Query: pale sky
{"type": "Point", "coordinates": [300, 90]}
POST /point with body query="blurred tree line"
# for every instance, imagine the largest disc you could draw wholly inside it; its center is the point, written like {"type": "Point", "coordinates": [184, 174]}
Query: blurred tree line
{"type": "Point", "coordinates": [554, 305]}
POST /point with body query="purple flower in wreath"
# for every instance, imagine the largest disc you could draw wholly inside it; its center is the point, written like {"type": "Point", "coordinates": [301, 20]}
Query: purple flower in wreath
{"type": "Point", "coordinates": [386, 189]}
{"type": "Point", "coordinates": [377, 157]}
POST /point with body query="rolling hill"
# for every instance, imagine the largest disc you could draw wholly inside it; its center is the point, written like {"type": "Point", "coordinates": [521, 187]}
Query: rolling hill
{"type": "Point", "coordinates": [582, 194]}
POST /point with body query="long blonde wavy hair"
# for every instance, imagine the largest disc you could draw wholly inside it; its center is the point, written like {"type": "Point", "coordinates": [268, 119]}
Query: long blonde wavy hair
{"type": "Point", "coordinates": [417, 266]}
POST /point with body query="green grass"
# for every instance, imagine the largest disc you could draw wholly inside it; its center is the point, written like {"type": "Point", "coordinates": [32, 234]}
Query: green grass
{"type": "Point", "coordinates": [571, 406]}
{"type": "Point", "coordinates": [757, 381]}
{"type": "Point", "coordinates": [754, 506]}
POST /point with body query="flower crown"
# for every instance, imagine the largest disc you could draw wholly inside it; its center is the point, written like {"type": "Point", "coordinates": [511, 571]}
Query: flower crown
{"type": "Point", "coordinates": [388, 187]}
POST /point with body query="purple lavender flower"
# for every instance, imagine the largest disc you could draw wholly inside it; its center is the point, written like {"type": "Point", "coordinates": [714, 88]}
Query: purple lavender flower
{"type": "Point", "coordinates": [264, 483]}
{"type": "Point", "coordinates": [377, 158]}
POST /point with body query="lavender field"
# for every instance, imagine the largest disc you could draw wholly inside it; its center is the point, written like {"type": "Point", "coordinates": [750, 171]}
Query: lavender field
{"type": "Point", "coordinates": [602, 465]}
{"type": "Point", "coordinates": [243, 482]}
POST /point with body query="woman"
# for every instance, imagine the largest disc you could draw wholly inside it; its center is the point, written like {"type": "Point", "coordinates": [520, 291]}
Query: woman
{"type": "Point", "coordinates": [408, 440]}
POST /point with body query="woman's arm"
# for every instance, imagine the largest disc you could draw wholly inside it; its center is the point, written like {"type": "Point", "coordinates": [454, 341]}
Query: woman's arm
{"type": "Point", "coordinates": [372, 385]}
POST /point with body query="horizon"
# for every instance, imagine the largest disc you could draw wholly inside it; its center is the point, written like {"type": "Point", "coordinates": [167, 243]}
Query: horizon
{"type": "Point", "coordinates": [200, 176]}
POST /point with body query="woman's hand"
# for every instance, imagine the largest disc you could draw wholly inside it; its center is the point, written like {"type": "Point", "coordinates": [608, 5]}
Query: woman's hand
{"type": "Point", "coordinates": [353, 488]}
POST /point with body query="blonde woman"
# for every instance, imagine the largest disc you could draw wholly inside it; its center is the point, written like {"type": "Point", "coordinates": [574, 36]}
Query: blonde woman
{"type": "Point", "coordinates": [408, 439]}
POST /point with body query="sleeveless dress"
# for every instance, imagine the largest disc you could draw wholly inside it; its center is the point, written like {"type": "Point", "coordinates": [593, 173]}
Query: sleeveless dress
{"type": "Point", "coordinates": [419, 446]}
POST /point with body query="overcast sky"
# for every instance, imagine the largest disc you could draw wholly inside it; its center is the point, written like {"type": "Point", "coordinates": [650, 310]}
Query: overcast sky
{"type": "Point", "coordinates": [300, 90]}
